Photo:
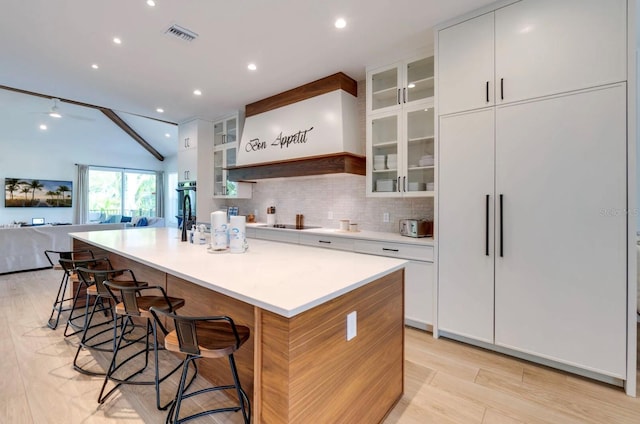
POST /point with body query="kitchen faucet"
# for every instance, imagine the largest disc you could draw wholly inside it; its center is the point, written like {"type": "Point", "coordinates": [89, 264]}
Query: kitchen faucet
{"type": "Point", "coordinates": [184, 216]}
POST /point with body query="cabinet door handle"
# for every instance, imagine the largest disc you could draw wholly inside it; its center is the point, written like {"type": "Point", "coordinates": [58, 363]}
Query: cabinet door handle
{"type": "Point", "coordinates": [398, 185]}
{"type": "Point", "coordinates": [487, 90]}
{"type": "Point", "coordinates": [404, 183]}
{"type": "Point", "coordinates": [387, 249]}
{"type": "Point", "coordinates": [501, 229]}
{"type": "Point", "coordinates": [404, 95]}
{"type": "Point", "coordinates": [486, 226]}
{"type": "Point", "coordinates": [501, 88]}
{"type": "Point", "coordinates": [324, 241]}
{"type": "Point", "coordinates": [398, 96]}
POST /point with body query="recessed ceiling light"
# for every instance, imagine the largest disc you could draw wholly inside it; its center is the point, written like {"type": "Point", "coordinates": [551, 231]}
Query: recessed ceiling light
{"type": "Point", "coordinates": [160, 110]}
{"type": "Point", "coordinates": [252, 67]}
{"type": "Point", "coordinates": [411, 85]}
{"type": "Point", "coordinates": [340, 23]}
{"type": "Point", "coordinates": [167, 135]}
{"type": "Point", "coordinates": [151, 3]}
{"type": "Point", "coordinates": [55, 115]}
{"type": "Point", "coordinates": [43, 127]}
{"type": "Point", "coordinates": [197, 92]}
{"type": "Point", "coordinates": [117, 40]}
{"type": "Point", "coordinates": [95, 66]}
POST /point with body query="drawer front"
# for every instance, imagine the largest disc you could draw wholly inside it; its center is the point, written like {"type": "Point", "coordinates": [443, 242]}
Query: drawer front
{"type": "Point", "coordinates": [395, 250]}
{"type": "Point", "coordinates": [341, 243]}
{"type": "Point", "coordinates": [274, 235]}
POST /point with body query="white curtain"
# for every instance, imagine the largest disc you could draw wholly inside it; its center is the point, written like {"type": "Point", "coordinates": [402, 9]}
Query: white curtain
{"type": "Point", "coordinates": [82, 185]}
{"type": "Point", "coordinates": [160, 194]}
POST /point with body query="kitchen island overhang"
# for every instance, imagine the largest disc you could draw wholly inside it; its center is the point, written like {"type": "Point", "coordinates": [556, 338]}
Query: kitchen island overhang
{"type": "Point", "coordinates": [299, 366]}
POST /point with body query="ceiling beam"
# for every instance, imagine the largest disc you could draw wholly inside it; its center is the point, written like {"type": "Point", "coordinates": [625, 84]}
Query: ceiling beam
{"type": "Point", "coordinates": [109, 113]}
{"type": "Point", "coordinates": [130, 131]}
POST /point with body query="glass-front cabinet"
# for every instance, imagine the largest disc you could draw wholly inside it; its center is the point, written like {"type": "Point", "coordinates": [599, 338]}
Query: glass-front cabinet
{"type": "Point", "coordinates": [400, 130]}
{"type": "Point", "coordinates": [225, 150]}
{"type": "Point", "coordinates": [400, 152]}
{"type": "Point", "coordinates": [401, 84]}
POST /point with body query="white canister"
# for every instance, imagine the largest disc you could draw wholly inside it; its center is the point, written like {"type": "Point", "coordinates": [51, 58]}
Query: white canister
{"type": "Point", "coordinates": [219, 233]}
{"type": "Point", "coordinates": [344, 225]}
{"type": "Point", "coordinates": [237, 231]}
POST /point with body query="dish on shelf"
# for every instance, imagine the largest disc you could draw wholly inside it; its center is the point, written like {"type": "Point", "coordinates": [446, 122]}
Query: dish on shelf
{"type": "Point", "coordinates": [386, 185]}
{"type": "Point", "coordinates": [415, 186]}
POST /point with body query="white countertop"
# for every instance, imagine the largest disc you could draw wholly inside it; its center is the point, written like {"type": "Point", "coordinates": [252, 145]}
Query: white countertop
{"type": "Point", "coordinates": [364, 235]}
{"type": "Point", "coordinates": [286, 279]}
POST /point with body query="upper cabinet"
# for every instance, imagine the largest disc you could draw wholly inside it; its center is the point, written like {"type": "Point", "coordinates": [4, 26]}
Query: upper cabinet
{"type": "Point", "coordinates": [522, 40]}
{"type": "Point", "coordinates": [403, 83]}
{"type": "Point", "coordinates": [226, 134]}
{"type": "Point", "coordinates": [400, 134]}
{"type": "Point", "coordinates": [188, 135]}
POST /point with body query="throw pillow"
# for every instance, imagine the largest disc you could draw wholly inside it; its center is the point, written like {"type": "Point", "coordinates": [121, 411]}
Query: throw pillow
{"type": "Point", "coordinates": [125, 219]}
{"type": "Point", "coordinates": [142, 222]}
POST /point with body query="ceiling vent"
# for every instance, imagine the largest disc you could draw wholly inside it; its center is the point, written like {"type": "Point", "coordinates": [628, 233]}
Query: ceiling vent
{"type": "Point", "coordinates": [181, 33]}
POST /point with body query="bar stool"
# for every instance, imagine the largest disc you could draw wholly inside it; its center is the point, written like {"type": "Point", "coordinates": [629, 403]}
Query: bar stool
{"type": "Point", "coordinates": [102, 300]}
{"type": "Point", "coordinates": [67, 274]}
{"type": "Point", "coordinates": [136, 302]}
{"type": "Point", "coordinates": [205, 337]}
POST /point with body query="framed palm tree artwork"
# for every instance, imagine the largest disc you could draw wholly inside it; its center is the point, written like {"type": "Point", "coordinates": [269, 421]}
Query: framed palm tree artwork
{"type": "Point", "coordinates": [30, 193]}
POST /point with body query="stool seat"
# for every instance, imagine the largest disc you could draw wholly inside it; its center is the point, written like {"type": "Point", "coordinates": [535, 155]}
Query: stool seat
{"type": "Point", "coordinates": [147, 302]}
{"type": "Point", "coordinates": [215, 339]}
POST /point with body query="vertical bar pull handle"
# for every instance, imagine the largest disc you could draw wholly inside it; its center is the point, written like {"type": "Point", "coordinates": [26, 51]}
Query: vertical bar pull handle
{"type": "Point", "coordinates": [486, 226]}
{"type": "Point", "coordinates": [398, 97]}
{"type": "Point", "coordinates": [398, 187]}
{"type": "Point", "coordinates": [404, 95]}
{"type": "Point", "coordinates": [501, 230]}
{"type": "Point", "coordinates": [487, 90]}
{"type": "Point", "coordinates": [501, 88]}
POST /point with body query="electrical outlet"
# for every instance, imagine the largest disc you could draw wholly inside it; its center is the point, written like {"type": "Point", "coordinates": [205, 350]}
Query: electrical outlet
{"type": "Point", "coordinates": [385, 217]}
{"type": "Point", "coordinates": [330, 215]}
{"type": "Point", "coordinates": [352, 325]}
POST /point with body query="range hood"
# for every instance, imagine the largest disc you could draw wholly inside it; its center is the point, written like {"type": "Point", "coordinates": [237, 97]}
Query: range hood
{"type": "Point", "coordinates": [309, 130]}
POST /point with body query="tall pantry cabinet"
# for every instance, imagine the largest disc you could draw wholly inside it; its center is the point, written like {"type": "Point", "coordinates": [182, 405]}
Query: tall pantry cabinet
{"type": "Point", "coordinates": [532, 107]}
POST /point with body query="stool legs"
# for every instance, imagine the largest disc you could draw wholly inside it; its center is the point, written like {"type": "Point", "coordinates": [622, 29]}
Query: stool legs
{"type": "Point", "coordinates": [244, 406]}
{"type": "Point", "coordinates": [114, 366]}
{"type": "Point", "coordinates": [58, 303]}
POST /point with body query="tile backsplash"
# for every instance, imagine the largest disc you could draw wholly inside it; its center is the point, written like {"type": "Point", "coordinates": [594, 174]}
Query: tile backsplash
{"type": "Point", "coordinates": [315, 197]}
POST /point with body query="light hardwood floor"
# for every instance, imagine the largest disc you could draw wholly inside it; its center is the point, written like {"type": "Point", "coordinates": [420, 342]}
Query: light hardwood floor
{"type": "Point", "coordinates": [445, 381]}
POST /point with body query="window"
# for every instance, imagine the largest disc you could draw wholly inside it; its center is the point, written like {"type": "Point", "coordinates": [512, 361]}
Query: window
{"type": "Point", "coordinates": [116, 192]}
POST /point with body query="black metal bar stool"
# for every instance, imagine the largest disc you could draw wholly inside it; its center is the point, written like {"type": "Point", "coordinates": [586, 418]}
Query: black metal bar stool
{"type": "Point", "coordinates": [136, 303]}
{"type": "Point", "coordinates": [54, 256]}
{"type": "Point", "coordinates": [205, 337]}
{"type": "Point", "coordinates": [101, 300]}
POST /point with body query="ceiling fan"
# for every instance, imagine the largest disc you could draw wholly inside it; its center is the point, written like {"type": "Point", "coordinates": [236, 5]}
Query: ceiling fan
{"type": "Point", "coordinates": [56, 112]}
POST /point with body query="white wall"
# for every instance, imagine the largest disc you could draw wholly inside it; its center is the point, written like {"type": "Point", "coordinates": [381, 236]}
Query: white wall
{"type": "Point", "coordinates": [52, 155]}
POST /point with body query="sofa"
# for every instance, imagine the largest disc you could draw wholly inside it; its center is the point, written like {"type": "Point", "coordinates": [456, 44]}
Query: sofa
{"type": "Point", "coordinates": [136, 221]}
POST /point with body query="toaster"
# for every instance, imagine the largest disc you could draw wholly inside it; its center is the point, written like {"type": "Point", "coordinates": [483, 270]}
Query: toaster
{"type": "Point", "coordinates": [416, 228]}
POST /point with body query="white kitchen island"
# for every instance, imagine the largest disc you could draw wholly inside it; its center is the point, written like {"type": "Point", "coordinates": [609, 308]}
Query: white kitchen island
{"type": "Point", "coordinates": [300, 366]}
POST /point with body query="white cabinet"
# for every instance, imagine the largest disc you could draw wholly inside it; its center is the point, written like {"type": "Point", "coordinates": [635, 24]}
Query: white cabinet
{"type": "Point", "coordinates": [400, 151]}
{"type": "Point", "coordinates": [559, 288]}
{"type": "Point", "coordinates": [188, 151]}
{"type": "Point", "coordinates": [539, 48]}
{"type": "Point", "coordinates": [394, 86]}
{"type": "Point", "coordinates": [195, 160]}
{"type": "Point", "coordinates": [418, 278]}
{"type": "Point", "coordinates": [226, 134]}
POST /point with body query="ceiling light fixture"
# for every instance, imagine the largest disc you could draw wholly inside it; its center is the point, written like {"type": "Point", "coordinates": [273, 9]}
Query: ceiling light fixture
{"type": "Point", "coordinates": [43, 127]}
{"type": "Point", "coordinates": [53, 112]}
{"type": "Point", "coordinates": [197, 92]}
{"type": "Point", "coordinates": [151, 3]}
{"type": "Point", "coordinates": [95, 66]}
{"type": "Point", "coordinates": [167, 135]}
{"type": "Point", "coordinates": [252, 67]}
{"type": "Point", "coordinates": [411, 85]}
{"type": "Point", "coordinates": [160, 110]}
{"type": "Point", "coordinates": [117, 40]}
{"type": "Point", "coordinates": [340, 23]}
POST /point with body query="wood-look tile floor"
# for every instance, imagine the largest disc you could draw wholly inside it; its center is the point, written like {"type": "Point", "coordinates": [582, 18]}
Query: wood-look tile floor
{"type": "Point", "coordinates": [445, 381]}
